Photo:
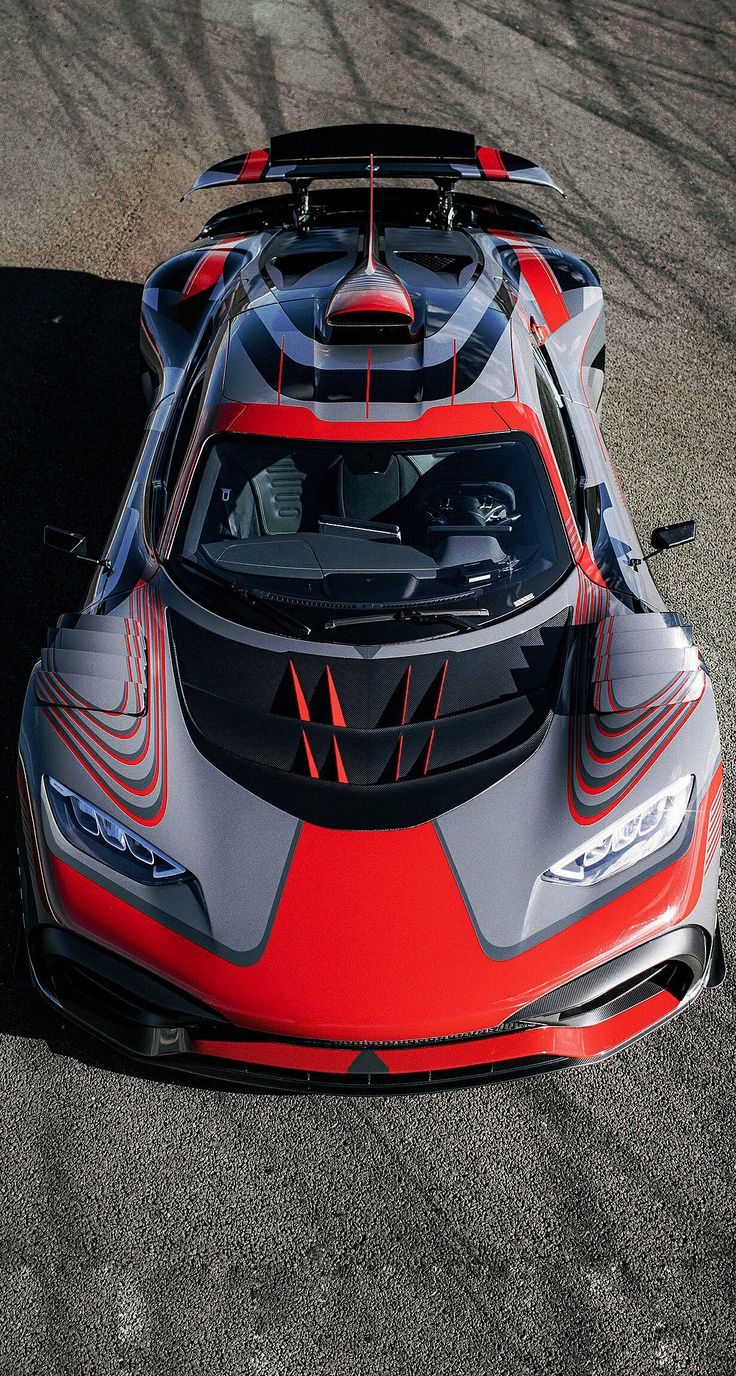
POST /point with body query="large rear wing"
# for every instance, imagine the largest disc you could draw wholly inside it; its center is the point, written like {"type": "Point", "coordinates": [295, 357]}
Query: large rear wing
{"type": "Point", "coordinates": [343, 151]}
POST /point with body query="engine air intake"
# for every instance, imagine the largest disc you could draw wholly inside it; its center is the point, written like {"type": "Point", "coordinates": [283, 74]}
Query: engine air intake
{"type": "Point", "coordinates": [371, 291]}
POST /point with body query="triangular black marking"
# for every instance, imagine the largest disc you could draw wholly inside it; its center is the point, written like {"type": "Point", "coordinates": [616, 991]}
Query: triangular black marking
{"type": "Point", "coordinates": [368, 1063]}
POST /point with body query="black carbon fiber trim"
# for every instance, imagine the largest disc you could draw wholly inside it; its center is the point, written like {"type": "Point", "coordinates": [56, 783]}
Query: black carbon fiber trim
{"type": "Point", "coordinates": [470, 717]}
{"type": "Point", "coordinates": [383, 140]}
{"type": "Point", "coordinates": [623, 982]}
{"type": "Point", "coordinates": [270, 1079]}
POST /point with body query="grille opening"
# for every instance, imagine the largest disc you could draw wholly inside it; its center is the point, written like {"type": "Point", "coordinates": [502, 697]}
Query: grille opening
{"type": "Point", "coordinates": [672, 976]}
{"type": "Point", "coordinates": [86, 990]}
{"type": "Point", "coordinates": [452, 263]}
{"type": "Point", "coordinates": [83, 989]}
{"type": "Point", "coordinates": [569, 1006]}
{"type": "Point", "coordinates": [371, 327]}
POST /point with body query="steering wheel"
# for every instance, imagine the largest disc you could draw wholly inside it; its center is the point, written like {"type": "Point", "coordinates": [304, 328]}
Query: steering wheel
{"type": "Point", "coordinates": [468, 504]}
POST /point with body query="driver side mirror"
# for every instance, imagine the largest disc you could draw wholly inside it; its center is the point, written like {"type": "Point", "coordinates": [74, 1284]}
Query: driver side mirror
{"type": "Point", "coordinates": [68, 542]}
{"type": "Point", "coordinates": [668, 537]}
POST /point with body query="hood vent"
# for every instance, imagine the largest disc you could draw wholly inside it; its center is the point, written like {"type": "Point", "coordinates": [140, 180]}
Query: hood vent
{"type": "Point", "coordinates": [451, 264]}
{"type": "Point", "coordinates": [367, 743]}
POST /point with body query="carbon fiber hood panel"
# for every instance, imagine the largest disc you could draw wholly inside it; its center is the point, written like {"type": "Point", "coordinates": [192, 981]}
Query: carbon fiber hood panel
{"type": "Point", "coordinates": [367, 743]}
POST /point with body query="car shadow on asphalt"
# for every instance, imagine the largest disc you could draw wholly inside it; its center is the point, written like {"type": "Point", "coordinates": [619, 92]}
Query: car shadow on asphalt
{"type": "Point", "coordinates": [73, 418]}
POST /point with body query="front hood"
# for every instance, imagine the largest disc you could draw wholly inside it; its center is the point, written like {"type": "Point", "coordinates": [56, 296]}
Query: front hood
{"type": "Point", "coordinates": [428, 918]}
{"type": "Point", "coordinates": [368, 739]}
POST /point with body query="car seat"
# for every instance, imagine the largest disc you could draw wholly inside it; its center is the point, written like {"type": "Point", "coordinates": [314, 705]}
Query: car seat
{"type": "Point", "coordinates": [270, 503]}
{"type": "Point", "coordinates": [370, 486]}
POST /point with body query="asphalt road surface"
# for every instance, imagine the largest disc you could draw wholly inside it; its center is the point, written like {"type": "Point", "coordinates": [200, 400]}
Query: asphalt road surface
{"type": "Point", "coordinates": [578, 1224]}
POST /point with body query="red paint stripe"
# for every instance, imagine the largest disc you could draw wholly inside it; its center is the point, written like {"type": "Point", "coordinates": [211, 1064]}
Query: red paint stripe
{"type": "Point", "coordinates": [630, 745]}
{"type": "Point", "coordinates": [405, 703]}
{"type": "Point", "coordinates": [598, 816]}
{"type": "Point", "coordinates": [313, 770]}
{"type": "Point", "coordinates": [210, 266]}
{"type": "Point", "coordinates": [593, 790]}
{"type": "Point", "coordinates": [342, 777]}
{"type": "Point", "coordinates": [335, 708]}
{"type": "Point", "coordinates": [441, 689]}
{"type": "Point", "coordinates": [281, 370]}
{"type": "Point", "coordinates": [519, 416]}
{"type": "Point", "coordinates": [301, 701]}
{"type": "Point", "coordinates": [254, 164]}
{"type": "Point", "coordinates": [428, 752]}
{"type": "Point", "coordinates": [611, 733]}
{"type": "Point", "coordinates": [80, 723]}
{"type": "Point", "coordinates": [454, 371]}
{"type": "Point", "coordinates": [667, 696]}
{"type": "Point", "coordinates": [300, 422]}
{"type": "Point", "coordinates": [574, 1043]}
{"type": "Point", "coordinates": [53, 681]}
{"type": "Point", "coordinates": [715, 820]}
{"type": "Point", "coordinates": [540, 279]}
{"type": "Point", "coordinates": [156, 709]}
{"type": "Point", "coordinates": [491, 163]}
{"type": "Point", "coordinates": [404, 710]}
{"type": "Point", "coordinates": [399, 753]}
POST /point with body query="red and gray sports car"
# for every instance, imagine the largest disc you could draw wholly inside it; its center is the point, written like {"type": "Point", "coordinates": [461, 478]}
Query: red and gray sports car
{"type": "Point", "coordinates": [373, 760]}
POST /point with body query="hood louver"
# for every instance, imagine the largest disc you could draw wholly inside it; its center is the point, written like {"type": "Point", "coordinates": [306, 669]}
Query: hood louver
{"type": "Point", "coordinates": [365, 743]}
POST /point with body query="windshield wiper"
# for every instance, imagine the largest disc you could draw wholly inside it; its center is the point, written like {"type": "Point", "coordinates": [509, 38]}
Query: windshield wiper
{"type": "Point", "coordinates": [463, 620]}
{"type": "Point", "coordinates": [251, 599]}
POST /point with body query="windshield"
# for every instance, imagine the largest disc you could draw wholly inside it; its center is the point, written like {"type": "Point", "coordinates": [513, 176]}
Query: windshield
{"type": "Point", "coordinates": [370, 527]}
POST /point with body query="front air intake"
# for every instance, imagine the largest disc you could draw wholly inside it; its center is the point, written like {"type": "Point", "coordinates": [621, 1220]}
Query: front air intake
{"type": "Point", "coordinates": [371, 293]}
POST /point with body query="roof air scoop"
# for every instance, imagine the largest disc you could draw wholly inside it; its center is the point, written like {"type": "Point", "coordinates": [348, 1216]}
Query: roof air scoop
{"type": "Point", "coordinates": [371, 292]}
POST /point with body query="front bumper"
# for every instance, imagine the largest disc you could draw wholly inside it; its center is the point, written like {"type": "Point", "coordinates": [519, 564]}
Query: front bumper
{"type": "Point", "coordinates": [582, 1022]}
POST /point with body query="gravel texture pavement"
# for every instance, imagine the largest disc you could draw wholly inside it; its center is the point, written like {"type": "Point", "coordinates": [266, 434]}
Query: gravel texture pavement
{"type": "Point", "coordinates": [579, 1224]}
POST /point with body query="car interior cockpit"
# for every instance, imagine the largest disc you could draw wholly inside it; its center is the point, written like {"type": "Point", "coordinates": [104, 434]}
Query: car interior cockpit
{"type": "Point", "coordinates": [296, 511]}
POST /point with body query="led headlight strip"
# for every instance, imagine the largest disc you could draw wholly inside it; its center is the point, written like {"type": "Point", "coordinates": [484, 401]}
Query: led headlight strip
{"type": "Point", "coordinates": [640, 833]}
{"type": "Point", "coordinates": [95, 831]}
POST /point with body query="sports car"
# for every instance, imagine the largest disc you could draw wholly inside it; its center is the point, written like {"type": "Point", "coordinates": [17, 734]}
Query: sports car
{"type": "Point", "coordinates": [374, 760]}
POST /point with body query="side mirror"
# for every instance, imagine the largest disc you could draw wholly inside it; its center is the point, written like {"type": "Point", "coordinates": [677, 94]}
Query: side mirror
{"type": "Point", "coordinates": [68, 542]}
{"type": "Point", "coordinates": [668, 537]}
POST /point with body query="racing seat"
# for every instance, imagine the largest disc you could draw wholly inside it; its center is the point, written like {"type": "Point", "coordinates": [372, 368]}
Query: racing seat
{"type": "Point", "coordinates": [371, 486]}
{"type": "Point", "coordinates": [270, 503]}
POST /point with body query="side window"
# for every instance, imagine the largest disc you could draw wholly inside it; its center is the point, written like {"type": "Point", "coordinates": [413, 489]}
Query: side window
{"type": "Point", "coordinates": [185, 429]}
{"type": "Point", "coordinates": [557, 436]}
{"type": "Point", "coordinates": [593, 508]}
{"type": "Point", "coordinates": [169, 469]}
{"type": "Point", "coordinates": [559, 441]}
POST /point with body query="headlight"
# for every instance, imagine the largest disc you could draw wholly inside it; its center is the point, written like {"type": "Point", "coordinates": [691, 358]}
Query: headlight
{"type": "Point", "coordinates": [638, 834]}
{"type": "Point", "coordinates": [90, 829]}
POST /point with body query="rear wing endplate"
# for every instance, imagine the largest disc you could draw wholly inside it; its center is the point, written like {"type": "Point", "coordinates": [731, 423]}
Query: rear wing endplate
{"type": "Point", "coordinates": [399, 150]}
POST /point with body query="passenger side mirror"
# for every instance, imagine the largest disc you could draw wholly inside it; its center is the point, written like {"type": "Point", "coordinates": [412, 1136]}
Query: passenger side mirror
{"type": "Point", "coordinates": [68, 542]}
{"type": "Point", "coordinates": [668, 537]}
